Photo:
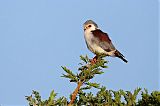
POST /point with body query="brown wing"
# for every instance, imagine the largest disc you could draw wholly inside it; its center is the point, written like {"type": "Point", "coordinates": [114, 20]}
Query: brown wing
{"type": "Point", "coordinates": [103, 40]}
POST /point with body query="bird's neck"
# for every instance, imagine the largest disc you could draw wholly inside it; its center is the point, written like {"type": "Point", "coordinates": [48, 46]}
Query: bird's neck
{"type": "Point", "coordinates": [89, 31]}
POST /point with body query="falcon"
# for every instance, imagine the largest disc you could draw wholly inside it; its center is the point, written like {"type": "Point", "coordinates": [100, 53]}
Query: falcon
{"type": "Point", "coordinates": [99, 42]}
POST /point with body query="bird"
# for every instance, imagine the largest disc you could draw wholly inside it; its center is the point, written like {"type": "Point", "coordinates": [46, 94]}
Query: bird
{"type": "Point", "coordinates": [98, 42]}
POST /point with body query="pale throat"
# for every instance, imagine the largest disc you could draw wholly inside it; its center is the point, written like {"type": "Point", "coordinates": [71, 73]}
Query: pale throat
{"type": "Point", "coordinates": [89, 30]}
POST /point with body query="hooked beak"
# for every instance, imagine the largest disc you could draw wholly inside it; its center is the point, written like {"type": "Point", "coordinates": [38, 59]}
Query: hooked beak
{"type": "Point", "coordinates": [85, 28]}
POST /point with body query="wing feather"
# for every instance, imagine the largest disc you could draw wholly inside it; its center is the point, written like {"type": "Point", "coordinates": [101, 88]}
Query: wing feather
{"type": "Point", "coordinates": [103, 40]}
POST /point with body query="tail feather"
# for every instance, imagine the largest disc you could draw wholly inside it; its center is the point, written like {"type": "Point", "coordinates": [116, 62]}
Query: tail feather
{"type": "Point", "coordinates": [119, 55]}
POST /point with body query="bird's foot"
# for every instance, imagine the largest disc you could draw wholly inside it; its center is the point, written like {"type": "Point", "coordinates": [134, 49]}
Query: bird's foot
{"type": "Point", "coordinates": [94, 60]}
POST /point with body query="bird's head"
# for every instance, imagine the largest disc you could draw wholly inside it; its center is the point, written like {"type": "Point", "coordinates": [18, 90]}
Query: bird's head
{"type": "Point", "coordinates": [90, 25]}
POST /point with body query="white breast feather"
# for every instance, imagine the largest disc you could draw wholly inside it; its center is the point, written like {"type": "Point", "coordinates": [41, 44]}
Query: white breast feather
{"type": "Point", "coordinates": [91, 45]}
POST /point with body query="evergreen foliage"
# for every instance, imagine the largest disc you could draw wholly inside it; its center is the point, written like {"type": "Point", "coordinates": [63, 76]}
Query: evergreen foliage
{"type": "Point", "coordinates": [103, 97]}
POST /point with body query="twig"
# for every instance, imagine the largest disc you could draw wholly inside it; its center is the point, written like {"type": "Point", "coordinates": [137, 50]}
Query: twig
{"type": "Point", "coordinates": [79, 84]}
{"type": "Point", "coordinates": [74, 94]}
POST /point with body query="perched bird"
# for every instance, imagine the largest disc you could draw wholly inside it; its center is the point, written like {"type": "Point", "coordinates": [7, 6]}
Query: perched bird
{"type": "Point", "coordinates": [99, 42]}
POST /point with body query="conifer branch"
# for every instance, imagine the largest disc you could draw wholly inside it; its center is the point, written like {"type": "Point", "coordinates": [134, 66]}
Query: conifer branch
{"type": "Point", "coordinates": [88, 71]}
{"type": "Point", "coordinates": [103, 97]}
{"type": "Point", "coordinates": [74, 94]}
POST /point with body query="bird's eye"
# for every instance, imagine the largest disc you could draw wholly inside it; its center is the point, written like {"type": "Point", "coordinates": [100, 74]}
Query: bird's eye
{"type": "Point", "coordinates": [89, 25]}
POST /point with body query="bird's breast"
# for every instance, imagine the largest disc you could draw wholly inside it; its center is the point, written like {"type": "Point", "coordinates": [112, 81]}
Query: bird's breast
{"type": "Point", "coordinates": [88, 38]}
{"type": "Point", "coordinates": [92, 43]}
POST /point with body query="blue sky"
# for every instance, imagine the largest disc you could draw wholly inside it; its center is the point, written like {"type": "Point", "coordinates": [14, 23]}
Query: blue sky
{"type": "Point", "coordinates": [37, 37]}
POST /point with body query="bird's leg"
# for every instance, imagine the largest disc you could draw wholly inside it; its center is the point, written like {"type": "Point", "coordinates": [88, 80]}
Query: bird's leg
{"type": "Point", "coordinates": [94, 60]}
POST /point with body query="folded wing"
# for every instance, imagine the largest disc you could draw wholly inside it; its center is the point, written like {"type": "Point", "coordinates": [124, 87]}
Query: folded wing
{"type": "Point", "coordinates": [103, 40]}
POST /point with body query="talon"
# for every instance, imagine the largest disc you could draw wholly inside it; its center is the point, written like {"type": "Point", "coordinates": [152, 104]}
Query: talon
{"type": "Point", "coordinates": [94, 60]}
